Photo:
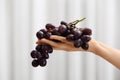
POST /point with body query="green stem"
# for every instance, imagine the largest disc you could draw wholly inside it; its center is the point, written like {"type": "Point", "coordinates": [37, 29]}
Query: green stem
{"type": "Point", "coordinates": [76, 21]}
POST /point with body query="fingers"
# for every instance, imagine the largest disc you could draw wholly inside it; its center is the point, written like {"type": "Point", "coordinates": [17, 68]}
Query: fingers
{"type": "Point", "coordinates": [60, 38]}
{"type": "Point", "coordinates": [54, 37]}
{"type": "Point", "coordinates": [58, 46]}
{"type": "Point", "coordinates": [55, 44]}
{"type": "Point", "coordinates": [47, 42]}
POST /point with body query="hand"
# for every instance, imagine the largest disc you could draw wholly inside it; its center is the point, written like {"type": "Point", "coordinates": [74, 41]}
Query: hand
{"type": "Point", "coordinates": [62, 45]}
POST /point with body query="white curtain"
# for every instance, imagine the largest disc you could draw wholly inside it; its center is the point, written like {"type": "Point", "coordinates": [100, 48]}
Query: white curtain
{"type": "Point", "coordinates": [21, 19]}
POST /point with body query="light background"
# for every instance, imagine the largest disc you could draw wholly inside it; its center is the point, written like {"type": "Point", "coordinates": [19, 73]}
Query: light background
{"type": "Point", "coordinates": [21, 19]}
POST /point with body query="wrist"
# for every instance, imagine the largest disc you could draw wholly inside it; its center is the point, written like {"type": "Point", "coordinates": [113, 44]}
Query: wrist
{"type": "Point", "coordinates": [93, 46]}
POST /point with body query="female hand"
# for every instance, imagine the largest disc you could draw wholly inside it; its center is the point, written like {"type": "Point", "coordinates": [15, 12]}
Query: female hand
{"type": "Point", "coordinates": [62, 45]}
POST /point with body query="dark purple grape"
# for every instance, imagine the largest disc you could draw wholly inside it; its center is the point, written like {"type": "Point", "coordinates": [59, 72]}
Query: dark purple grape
{"type": "Point", "coordinates": [34, 54]}
{"type": "Point", "coordinates": [85, 46]}
{"type": "Point", "coordinates": [42, 48]}
{"type": "Point", "coordinates": [45, 55]}
{"type": "Point", "coordinates": [40, 55]}
{"type": "Point", "coordinates": [66, 33]}
{"type": "Point", "coordinates": [40, 34]}
{"type": "Point", "coordinates": [47, 48]}
{"type": "Point", "coordinates": [42, 62]}
{"type": "Point", "coordinates": [49, 27]}
{"type": "Point", "coordinates": [44, 31]}
{"type": "Point", "coordinates": [63, 23]}
{"type": "Point", "coordinates": [87, 31]}
{"type": "Point", "coordinates": [85, 38]}
{"type": "Point", "coordinates": [62, 29]}
{"type": "Point", "coordinates": [77, 34]}
{"type": "Point", "coordinates": [78, 43]}
{"type": "Point", "coordinates": [50, 49]}
{"type": "Point", "coordinates": [47, 35]}
{"type": "Point", "coordinates": [55, 32]}
{"type": "Point", "coordinates": [38, 48]}
{"type": "Point", "coordinates": [35, 63]}
{"type": "Point", "coordinates": [70, 37]}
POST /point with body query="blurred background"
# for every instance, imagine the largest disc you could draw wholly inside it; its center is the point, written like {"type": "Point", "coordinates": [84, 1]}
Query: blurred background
{"type": "Point", "coordinates": [21, 19]}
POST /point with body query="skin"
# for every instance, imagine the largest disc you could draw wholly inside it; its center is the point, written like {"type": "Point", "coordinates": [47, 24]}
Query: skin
{"type": "Point", "coordinates": [110, 54]}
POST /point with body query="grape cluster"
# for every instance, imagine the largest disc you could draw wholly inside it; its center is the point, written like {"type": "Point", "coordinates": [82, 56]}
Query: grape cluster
{"type": "Point", "coordinates": [79, 36]}
{"type": "Point", "coordinates": [40, 54]}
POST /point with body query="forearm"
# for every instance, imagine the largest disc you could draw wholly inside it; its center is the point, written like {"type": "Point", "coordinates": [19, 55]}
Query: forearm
{"type": "Point", "coordinates": [110, 54]}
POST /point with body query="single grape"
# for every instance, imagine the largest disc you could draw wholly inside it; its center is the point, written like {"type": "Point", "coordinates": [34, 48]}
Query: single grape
{"type": "Point", "coordinates": [42, 62]}
{"type": "Point", "coordinates": [77, 34]}
{"type": "Point", "coordinates": [39, 48]}
{"type": "Point", "coordinates": [49, 48]}
{"type": "Point", "coordinates": [62, 29]}
{"type": "Point", "coordinates": [87, 31]}
{"type": "Point", "coordinates": [40, 34]}
{"type": "Point", "coordinates": [85, 46]}
{"type": "Point", "coordinates": [47, 35]}
{"type": "Point", "coordinates": [63, 23]}
{"type": "Point", "coordinates": [86, 38]}
{"type": "Point", "coordinates": [49, 27]}
{"type": "Point", "coordinates": [55, 32]}
{"type": "Point", "coordinates": [44, 31]}
{"type": "Point", "coordinates": [34, 54]}
{"type": "Point", "coordinates": [66, 33]}
{"type": "Point", "coordinates": [78, 43]}
{"type": "Point", "coordinates": [70, 37]}
{"type": "Point", "coordinates": [45, 55]}
{"type": "Point", "coordinates": [35, 63]}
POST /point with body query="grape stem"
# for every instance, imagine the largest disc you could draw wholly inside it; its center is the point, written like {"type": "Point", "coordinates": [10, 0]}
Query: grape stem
{"type": "Point", "coordinates": [76, 21]}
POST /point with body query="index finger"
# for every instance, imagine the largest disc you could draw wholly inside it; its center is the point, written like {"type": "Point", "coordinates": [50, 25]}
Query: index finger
{"type": "Point", "coordinates": [47, 42]}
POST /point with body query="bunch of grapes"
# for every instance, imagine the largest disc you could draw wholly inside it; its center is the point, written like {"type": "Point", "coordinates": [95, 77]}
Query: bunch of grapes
{"type": "Point", "coordinates": [79, 36]}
